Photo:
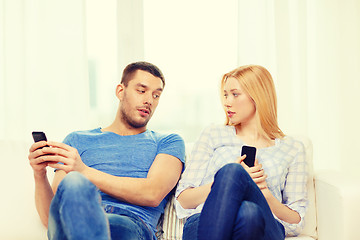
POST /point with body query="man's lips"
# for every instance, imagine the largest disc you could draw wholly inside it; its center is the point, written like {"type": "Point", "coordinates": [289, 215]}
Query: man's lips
{"type": "Point", "coordinates": [144, 111]}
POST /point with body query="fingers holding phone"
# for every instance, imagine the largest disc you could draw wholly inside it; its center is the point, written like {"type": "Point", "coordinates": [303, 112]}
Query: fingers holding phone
{"type": "Point", "coordinates": [67, 155]}
{"type": "Point", "coordinates": [252, 166]}
{"type": "Point", "coordinates": [38, 151]}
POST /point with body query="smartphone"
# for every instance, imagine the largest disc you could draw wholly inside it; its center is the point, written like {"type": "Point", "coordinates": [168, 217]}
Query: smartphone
{"type": "Point", "coordinates": [39, 136]}
{"type": "Point", "coordinates": [250, 155]}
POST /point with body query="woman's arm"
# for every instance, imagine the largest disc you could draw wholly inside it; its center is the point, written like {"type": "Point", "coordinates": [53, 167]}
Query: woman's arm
{"type": "Point", "coordinates": [190, 192]}
{"type": "Point", "coordinates": [280, 210]}
{"type": "Point", "coordinates": [193, 197]}
{"type": "Point", "coordinates": [297, 176]}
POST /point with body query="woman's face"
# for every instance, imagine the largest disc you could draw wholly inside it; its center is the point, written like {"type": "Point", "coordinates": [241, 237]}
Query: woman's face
{"type": "Point", "coordinates": [238, 106]}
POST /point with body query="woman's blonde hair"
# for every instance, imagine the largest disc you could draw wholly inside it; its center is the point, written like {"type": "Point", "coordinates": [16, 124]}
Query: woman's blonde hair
{"type": "Point", "coordinates": [257, 82]}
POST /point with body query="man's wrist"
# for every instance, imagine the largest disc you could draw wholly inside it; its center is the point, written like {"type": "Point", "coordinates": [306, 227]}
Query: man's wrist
{"type": "Point", "coordinates": [85, 171]}
{"type": "Point", "coordinates": [40, 175]}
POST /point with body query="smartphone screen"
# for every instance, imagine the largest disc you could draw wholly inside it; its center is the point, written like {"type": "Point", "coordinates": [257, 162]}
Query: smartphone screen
{"type": "Point", "coordinates": [250, 155]}
{"type": "Point", "coordinates": [39, 136]}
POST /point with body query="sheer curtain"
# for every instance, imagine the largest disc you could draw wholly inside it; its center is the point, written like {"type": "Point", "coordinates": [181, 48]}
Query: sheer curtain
{"type": "Point", "coordinates": [312, 49]}
{"type": "Point", "coordinates": [43, 86]}
{"type": "Point", "coordinates": [194, 43]}
{"type": "Point", "coordinates": [44, 77]}
{"type": "Point", "coordinates": [54, 75]}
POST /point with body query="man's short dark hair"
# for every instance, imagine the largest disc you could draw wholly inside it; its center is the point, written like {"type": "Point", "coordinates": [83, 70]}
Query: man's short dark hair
{"type": "Point", "coordinates": [130, 70]}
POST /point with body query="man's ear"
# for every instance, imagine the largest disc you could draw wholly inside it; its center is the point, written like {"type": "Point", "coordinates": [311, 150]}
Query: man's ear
{"type": "Point", "coordinates": [119, 91]}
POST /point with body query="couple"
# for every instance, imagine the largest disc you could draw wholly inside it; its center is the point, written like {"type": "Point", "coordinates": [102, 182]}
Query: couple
{"type": "Point", "coordinates": [114, 182]}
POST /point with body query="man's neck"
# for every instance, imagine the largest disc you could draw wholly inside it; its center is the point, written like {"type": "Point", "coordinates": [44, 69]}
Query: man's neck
{"type": "Point", "coordinates": [123, 130]}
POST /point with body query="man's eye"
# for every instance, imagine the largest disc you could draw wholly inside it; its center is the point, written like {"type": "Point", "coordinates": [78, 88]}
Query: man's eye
{"type": "Point", "coordinates": [156, 96]}
{"type": "Point", "coordinates": [141, 91]}
{"type": "Point", "coordinates": [235, 94]}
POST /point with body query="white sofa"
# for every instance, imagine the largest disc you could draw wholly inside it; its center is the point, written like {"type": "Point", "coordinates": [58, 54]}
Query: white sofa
{"type": "Point", "coordinates": [332, 213]}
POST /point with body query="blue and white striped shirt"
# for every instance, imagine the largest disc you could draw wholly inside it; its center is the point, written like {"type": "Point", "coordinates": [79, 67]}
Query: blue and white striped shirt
{"type": "Point", "coordinates": [284, 163]}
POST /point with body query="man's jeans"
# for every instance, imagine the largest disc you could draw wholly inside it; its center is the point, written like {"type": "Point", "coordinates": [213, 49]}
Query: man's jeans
{"type": "Point", "coordinates": [234, 209]}
{"type": "Point", "coordinates": [76, 213]}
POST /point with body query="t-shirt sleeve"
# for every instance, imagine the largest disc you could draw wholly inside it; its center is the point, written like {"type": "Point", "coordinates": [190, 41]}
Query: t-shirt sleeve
{"type": "Point", "coordinates": [70, 139]}
{"type": "Point", "coordinates": [173, 145]}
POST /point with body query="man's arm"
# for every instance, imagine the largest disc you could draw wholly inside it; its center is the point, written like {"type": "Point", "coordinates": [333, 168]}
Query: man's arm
{"type": "Point", "coordinates": [162, 177]}
{"type": "Point", "coordinates": [43, 192]}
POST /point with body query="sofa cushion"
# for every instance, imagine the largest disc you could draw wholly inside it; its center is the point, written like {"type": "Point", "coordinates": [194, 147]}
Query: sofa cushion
{"type": "Point", "coordinates": [19, 218]}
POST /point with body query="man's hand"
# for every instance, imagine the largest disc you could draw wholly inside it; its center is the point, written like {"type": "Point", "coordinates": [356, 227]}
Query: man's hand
{"type": "Point", "coordinates": [37, 163]}
{"type": "Point", "coordinates": [54, 155]}
{"type": "Point", "coordinates": [65, 154]}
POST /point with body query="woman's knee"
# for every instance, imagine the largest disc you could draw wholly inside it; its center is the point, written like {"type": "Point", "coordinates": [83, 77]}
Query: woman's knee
{"type": "Point", "coordinates": [231, 171]}
{"type": "Point", "coordinates": [250, 214]}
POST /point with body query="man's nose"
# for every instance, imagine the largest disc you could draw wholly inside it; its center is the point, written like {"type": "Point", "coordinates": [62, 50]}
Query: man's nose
{"type": "Point", "coordinates": [148, 100]}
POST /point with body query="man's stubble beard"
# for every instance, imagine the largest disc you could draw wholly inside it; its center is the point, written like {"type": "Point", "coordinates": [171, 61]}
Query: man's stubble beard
{"type": "Point", "coordinates": [127, 119]}
{"type": "Point", "coordinates": [134, 124]}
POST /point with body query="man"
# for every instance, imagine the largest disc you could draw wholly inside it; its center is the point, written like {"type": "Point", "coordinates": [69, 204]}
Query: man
{"type": "Point", "coordinates": [134, 169]}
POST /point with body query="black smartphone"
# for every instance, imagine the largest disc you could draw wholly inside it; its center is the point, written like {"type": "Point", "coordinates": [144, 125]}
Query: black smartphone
{"type": "Point", "coordinates": [250, 155]}
{"type": "Point", "coordinates": [39, 136]}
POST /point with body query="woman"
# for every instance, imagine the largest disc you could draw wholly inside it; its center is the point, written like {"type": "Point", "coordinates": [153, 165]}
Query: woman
{"type": "Point", "coordinates": [223, 198]}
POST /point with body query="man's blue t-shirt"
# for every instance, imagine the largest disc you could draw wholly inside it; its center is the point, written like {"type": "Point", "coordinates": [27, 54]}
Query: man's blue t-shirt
{"type": "Point", "coordinates": [126, 156]}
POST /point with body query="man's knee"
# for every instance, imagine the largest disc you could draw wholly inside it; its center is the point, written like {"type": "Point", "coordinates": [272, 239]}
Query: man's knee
{"type": "Point", "coordinates": [75, 182]}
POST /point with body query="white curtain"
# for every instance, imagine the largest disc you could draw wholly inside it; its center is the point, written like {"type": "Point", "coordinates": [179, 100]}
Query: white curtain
{"type": "Point", "coordinates": [312, 49]}
{"type": "Point", "coordinates": [43, 70]}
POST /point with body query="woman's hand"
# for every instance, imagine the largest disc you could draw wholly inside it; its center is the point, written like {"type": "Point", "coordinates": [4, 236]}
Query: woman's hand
{"type": "Point", "coordinates": [257, 174]}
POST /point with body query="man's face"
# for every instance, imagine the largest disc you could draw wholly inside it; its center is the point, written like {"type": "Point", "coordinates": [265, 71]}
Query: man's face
{"type": "Point", "coordinates": [139, 99]}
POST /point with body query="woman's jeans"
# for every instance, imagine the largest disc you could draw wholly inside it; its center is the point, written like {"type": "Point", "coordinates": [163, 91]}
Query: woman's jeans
{"type": "Point", "coordinates": [234, 209]}
{"type": "Point", "coordinates": [76, 213]}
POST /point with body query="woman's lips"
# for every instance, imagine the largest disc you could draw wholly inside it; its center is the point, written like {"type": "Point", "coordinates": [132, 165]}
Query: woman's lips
{"type": "Point", "coordinates": [230, 114]}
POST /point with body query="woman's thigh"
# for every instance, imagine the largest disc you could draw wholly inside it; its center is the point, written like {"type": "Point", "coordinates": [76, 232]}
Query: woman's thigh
{"type": "Point", "coordinates": [191, 227]}
{"type": "Point", "coordinates": [128, 228]}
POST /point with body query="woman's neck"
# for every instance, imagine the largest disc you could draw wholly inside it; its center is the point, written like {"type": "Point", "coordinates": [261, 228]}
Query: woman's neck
{"type": "Point", "coordinates": [251, 136]}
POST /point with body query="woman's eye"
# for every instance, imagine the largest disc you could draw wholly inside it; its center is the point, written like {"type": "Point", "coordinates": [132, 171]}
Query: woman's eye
{"type": "Point", "coordinates": [156, 96]}
{"type": "Point", "coordinates": [141, 91]}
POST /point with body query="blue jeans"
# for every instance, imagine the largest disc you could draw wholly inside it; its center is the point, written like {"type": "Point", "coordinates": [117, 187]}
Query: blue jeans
{"type": "Point", "coordinates": [76, 213]}
{"type": "Point", "coordinates": [234, 209]}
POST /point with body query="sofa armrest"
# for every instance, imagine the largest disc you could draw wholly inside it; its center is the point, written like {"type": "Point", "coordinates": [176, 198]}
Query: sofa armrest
{"type": "Point", "coordinates": [337, 200]}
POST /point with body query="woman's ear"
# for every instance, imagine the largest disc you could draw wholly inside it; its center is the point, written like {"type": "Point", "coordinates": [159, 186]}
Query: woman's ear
{"type": "Point", "coordinates": [119, 91]}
